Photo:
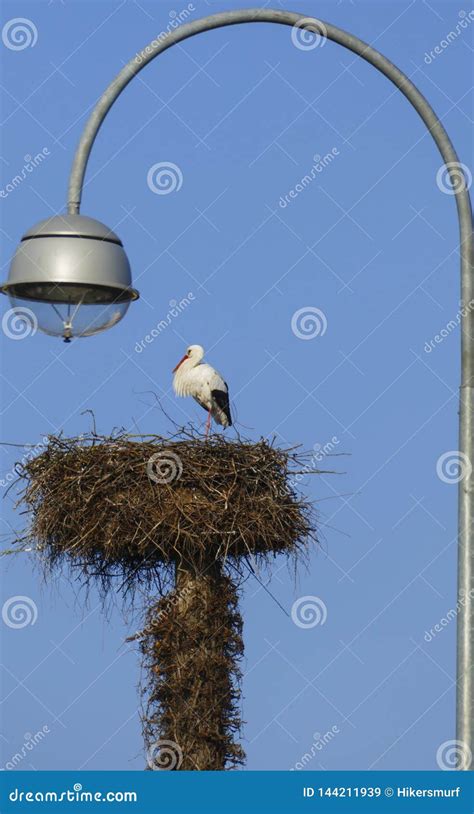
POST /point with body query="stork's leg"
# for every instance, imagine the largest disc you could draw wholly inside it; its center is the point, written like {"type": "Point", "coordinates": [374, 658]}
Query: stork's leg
{"type": "Point", "coordinates": [208, 423]}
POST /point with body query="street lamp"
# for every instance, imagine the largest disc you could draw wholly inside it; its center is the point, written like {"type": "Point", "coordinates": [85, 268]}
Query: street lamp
{"type": "Point", "coordinates": [82, 268]}
{"type": "Point", "coordinates": [71, 276]}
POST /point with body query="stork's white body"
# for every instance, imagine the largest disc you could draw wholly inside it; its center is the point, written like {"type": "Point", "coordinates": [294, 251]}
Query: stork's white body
{"type": "Point", "coordinates": [201, 381]}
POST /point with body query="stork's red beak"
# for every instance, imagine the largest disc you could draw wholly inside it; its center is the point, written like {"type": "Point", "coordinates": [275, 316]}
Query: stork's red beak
{"type": "Point", "coordinates": [180, 362]}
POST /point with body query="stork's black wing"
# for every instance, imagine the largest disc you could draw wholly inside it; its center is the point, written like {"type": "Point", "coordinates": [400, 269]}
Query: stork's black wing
{"type": "Point", "coordinates": [222, 399]}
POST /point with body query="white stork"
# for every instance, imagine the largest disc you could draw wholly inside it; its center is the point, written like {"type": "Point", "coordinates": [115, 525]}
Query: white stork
{"type": "Point", "coordinates": [194, 378]}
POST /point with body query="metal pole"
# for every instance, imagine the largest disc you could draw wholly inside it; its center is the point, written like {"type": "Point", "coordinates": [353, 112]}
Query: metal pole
{"type": "Point", "coordinates": [465, 689]}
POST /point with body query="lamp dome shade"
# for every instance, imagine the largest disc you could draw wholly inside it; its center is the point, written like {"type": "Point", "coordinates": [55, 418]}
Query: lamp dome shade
{"type": "Point", "coordinates": [72, 274]}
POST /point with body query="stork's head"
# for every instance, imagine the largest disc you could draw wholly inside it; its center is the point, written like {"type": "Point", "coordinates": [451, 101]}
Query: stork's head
{"type": "Point", "coordinates": [191, 358]}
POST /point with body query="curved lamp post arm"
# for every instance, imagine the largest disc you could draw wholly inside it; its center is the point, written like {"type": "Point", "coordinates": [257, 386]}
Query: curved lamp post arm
{"type": "Point", "coordinates": [465, 687]}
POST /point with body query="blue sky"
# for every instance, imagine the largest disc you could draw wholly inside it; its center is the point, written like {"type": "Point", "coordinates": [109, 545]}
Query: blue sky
{"type": "Point", "coordinates": [371, 243]}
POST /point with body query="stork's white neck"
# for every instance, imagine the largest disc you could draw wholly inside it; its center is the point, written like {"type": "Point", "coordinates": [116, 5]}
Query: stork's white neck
{"type": "Point", "coordinates": [187, 365]}
{"type": "Point", "coordinates": [183, 380]}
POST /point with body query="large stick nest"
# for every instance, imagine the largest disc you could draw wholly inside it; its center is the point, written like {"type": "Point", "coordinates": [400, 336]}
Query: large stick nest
{"type": "Point", "coordinates": [136, 506]}
{"type": "Point", "coordinates": [147, 509]}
